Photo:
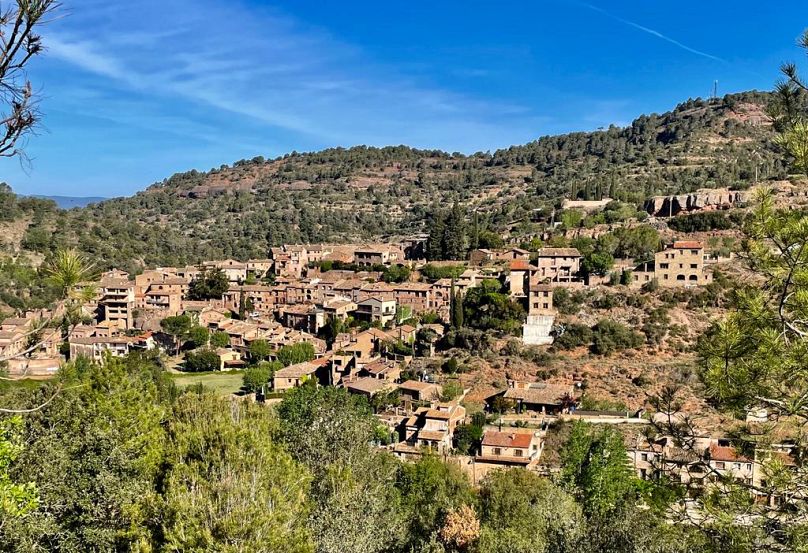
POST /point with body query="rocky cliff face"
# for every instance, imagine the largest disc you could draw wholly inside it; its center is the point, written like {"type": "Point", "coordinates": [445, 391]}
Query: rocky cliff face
{"type": "Point", "coordinates": [665, 206]}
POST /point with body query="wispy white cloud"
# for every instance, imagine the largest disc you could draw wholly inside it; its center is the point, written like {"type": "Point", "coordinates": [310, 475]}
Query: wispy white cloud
{"type": "Point", "coordinates": [272, 71]}
{"type": "Point", "coordinates": [651, 32]}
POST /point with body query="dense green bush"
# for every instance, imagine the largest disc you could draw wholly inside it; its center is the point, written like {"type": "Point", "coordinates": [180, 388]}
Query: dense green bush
{"type": "Point", "coordinates": [203, 360]}
{"type": "Point", "coordinates": [611, 336]}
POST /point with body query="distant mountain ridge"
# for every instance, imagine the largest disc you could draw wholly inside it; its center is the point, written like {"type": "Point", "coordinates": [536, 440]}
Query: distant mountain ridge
{"type": "Point", "coordinates": [70, 202]}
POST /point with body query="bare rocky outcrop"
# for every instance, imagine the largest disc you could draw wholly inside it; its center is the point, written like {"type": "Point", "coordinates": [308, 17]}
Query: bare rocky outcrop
{"type": "Point", "coordinates": [664, 206]}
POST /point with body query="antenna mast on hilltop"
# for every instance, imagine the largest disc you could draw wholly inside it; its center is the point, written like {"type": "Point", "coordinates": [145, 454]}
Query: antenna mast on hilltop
{"type": "Point", "coordinates": [715, 89]}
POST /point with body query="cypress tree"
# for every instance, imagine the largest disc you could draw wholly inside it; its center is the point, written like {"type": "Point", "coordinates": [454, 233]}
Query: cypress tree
{"type": "Point", "coordinates": [456, 309]}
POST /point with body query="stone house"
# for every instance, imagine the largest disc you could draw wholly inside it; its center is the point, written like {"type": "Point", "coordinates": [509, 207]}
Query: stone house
{"type": "Point", "coordinates": [510, 448]}
{"type": "Point", "coordinates": [117, 301]}
{"type": "Point", "coordinates": [558, 265]}
{"type": "Point", "coordinates": [376, 310]}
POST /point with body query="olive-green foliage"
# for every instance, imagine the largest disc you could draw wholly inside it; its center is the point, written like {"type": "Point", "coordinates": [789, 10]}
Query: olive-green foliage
{"type": "Point", "coordinates": [219, 339]}
{"type": "Point", "coordinates": [228, 485]}
{"type": "Point", "coordinates": [525, 513]}
{"type": "Point", "coordinates": [610, 336]}
{"type": "Point", "coordinates": [448, 235]}
{"type": "Point", "coordinates": [452, 389]}
{"type": "Point", "coordinates": [429, 490]}
{"type": "Point", "coordinates": [210, 285]}
{"type": "Point", "coordinates": [199, 336]}
{"type": "Point", "coordinates": [330, 431]}
{"type": "Point", "coordinates": [260, 350]}
{"type": "Point", "coordinates": [16, 499]}
{"type": "Point", "coordinates": [203, 360]}
{"type": "Point", "coordinates": [573, 335]}
{"type": "Point", "coordinates": [260, 376]}
{"type": "Point", "coordinates": [489, 307]}
{"type": "Point", "coordinates": [178, 327]}
{"type": "Point", "coordinates": [295, 353]}
{"type": "Point", "coordinates": [396, 273]}
{"type": "Point", "coordinates": [433, 272]}
{"type": "Point", "coordinates": [94, 454]}
{"type": "Point", "coordinates": [595, 468]}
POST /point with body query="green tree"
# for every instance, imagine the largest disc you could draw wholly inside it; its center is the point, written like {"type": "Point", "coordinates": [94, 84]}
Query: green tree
{"type": "Point", "coordinates": [452, 389]}
{"type": "Point", "coordinates": [487, 307]}
{"type": "Point", "coordinates": [95, 454]}
{"type": "Point", "coordinates": [597, 263]}
{"type": "Point", "coordinates": [594, 467]}
{"type": "Point", "coordinates": [199, 336]}
{"type": "Point", "coordinates": [525, 513]}
{"type": "Point", "coordinates": [295, 353]}
{"type": "Point", "coordinates": [609, 336]}
{"type": "Point", "coordinates": [396, 273]}
{"type": "Point", "coordinates": [229, 485]}
{"type": "Point", "coordinates": [203, 360]}
{"type": "Point", "coordinates": [210, 285]}
{"type": "Point", "coordinates": [430, 489]}
{"type": "Point", "coordinates": [260, 376]}
{"type": "Point", "coordinates": [219, 339]}
{"type": "Point", "coordinates": [435, 249]}
{"type": "Point", "coordinates": [260, 350]}
{"type": "Point", "coordinates": [16, 500]}
{"type": "Point", "coordinates": [456, 309]}
{"type": "Point", "coordinates": [178, 327]}
{"type": "Point", "coordinates": [331, 432]}
{"type": "Point", "coordinates": [455, 244]}
{"type": "Point", "coordinates": [794, 140]}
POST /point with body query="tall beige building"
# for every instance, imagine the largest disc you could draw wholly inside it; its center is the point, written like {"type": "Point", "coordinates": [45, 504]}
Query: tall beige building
{"type": "Point", "coordinates": [681, 265]}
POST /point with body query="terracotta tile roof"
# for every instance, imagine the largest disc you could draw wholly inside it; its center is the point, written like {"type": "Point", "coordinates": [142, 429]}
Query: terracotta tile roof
{"type": "Point", "coordinates": [559, 252]}
{"type": "Point", "coordinates": [687, 245]}
{"type": "Point", "coordinates": [368, 385]}
{"type": "Point", "coordinates": [520, 265]}
{"type": "Point", "coordinates": [435, 414]}
{"type": "Point", "coordinates": [431, 435]}
{"type": "Point", "coordinates": [507, 439]}
{"type": "Point", "coordinates": [296, 371]}
{"type": "Point", "coordinates": [416, 385]}
{"type": "Point", "coordinates": [540, 393]}
{"type": "Point", "coordinates": [726, 453]}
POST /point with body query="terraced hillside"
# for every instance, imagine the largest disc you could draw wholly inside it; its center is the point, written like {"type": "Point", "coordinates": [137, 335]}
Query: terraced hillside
{"type": "Point", "coordinates": [364, 193]}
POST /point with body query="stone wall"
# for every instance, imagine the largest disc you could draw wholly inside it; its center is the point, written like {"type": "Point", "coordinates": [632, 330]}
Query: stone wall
{"type": "Point", "coordinates": [665, 206]}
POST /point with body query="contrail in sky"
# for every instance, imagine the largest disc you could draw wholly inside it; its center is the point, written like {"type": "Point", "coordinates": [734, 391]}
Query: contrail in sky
{"type": "Point", "coordinates": [651, 32]}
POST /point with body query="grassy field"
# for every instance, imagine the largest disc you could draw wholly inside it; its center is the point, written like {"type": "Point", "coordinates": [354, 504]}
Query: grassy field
{"type": "Point", "coordinates": [223, 383]}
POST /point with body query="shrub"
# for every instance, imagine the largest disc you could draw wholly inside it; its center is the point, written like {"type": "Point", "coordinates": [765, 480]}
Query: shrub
{"type": "Point", "coordinates": [573, 335]}
{"type": "Point", "coordinates": [610, 336]}
{"type": "Point", "coordinates": [202, 361]}
{"type": "Point", "coordinates": [452, 389]}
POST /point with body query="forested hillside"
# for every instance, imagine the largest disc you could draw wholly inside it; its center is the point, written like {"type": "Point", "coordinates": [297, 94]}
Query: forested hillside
{"type": "Point", "coordinates": [365, 193]}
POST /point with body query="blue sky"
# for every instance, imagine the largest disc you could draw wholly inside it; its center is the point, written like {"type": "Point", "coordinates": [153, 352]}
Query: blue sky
{"type": "Point", "coordinates": [135, 91]}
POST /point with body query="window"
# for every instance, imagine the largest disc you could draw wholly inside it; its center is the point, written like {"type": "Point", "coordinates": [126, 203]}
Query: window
{"type": "Point", "coordinates": [665, 276]}
{"type": "Point", "coordinates": [719, 464]}
{"type": "Point", "coordinates": [517, 453]}
{"type": "Point", "coordinates": [694, 252]}
{"type": "Point", "coordinates": [694, 266]}
{"type": "Point", "coordinates": [680, 277]}
{"type": "Point", "coordinates": [546, 306]}
{"type": "Point", "coordinates": [664, 265]}
{"type": "Point", "coordinates": [644, 456]}
{"type": "Point", "coordinates": [497, 451]}
{"type": "Point", "coordinates": [694, 277]}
